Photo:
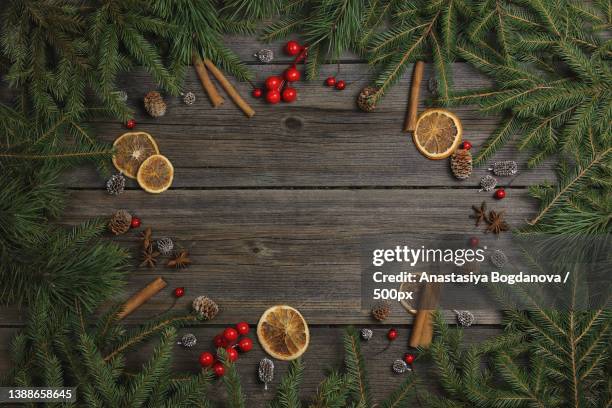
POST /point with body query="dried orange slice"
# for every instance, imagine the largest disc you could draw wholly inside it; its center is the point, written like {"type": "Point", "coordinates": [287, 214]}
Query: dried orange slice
{"type": "Point", "coordinates": [437, 133]}
{"type": "Point", "coordinates": [131, 149]}
{"type": "Point", "coordinates": [155, 174]}
{"type": "Point", "coordinates": [283, 332]}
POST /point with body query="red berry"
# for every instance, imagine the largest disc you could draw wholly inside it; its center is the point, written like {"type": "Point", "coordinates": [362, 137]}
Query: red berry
{"type": "Point", "coordinates": [245, 344]}
{"type": "Point", "coordinates": [500, 193]}
{"type": "Point", "coordinates": [292, 74]}
{"type": "Point", "coordinates": [474, 241]}
{"type": "Point", "coordinates": [340, 85]}
{"type": "Point", "coordinates": [273, 82]}
{"type": "Point", "coordinates": [293, 47]}
{"type": "Point", "coordinates": [130, 124]}
{"type": "Point", "coordinates": [409, 358]}
{"type": "Point", "coordinates": [289, 94]}
{"type": "Point", "coordinates": [257, 92]}
{"type": "Point", "coordinates": [230, 334]}
{"type": "Point", "coordinates": [219, 369]}
{"type": "Point", "coordinates": [179, 292]}
{"type": "Point", "coordinates": [232, 354]}
{"type": "Point", "coordinates": [220, 341]}
{"type": "Point", "coordinates": [392, 334]}
{"type": "Point", "coordinates": [330, 81]}
{"type": "Point", "coordinates": [273, 96]}
{"type": "Point", "coordinates": [242, 328]}
{"type": "Point", "coordinates": [206, 359]}
{"type": "Point", "coordinates": [466, 145]}
{"type": "Point", "coordinates": [135, 222]}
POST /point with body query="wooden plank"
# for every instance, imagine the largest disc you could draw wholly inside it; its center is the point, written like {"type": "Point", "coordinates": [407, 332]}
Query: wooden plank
{"type": "Point", "coordinates": [325, 352]}
{"type": "Point", "coordinates": [286, 246]}
{"type": "Point", "coordinates": [322, 140]}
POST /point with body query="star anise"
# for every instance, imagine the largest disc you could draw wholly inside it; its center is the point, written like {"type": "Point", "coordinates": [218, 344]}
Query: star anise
{"type": "Point", "coordinates": [149, 257]}
{"type": "Point", "coordinates": [480, 214]}
{"type": "Point", "coordinates": [147, 238]}
{"type": "Point", "coordinates": [496, 222]}
{"type": "Point", "coordinates": [180, 260]}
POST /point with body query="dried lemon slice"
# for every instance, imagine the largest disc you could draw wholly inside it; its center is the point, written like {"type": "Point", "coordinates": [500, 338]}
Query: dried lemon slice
{"type": "Point", "coordinates": [155, 174]}
{"type": "Point", "coordinates": [131, 149]}
{"type": "Point", "coordinates": [437, 133]}
{"type": "Point", "coordinates": [283, 332]}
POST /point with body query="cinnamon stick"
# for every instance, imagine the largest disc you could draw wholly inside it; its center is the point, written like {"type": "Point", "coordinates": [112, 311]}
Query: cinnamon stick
{"type": "Point", "coordinates": [215, 99]}
{"type": "Point", "coordinates": [229, 88]}
{"type": "Point", "coordinates": [422, 330]}
{"type": "Point", "coordinates": [141, 297]}
{"type": "Point", "coordinates": [413, 102]}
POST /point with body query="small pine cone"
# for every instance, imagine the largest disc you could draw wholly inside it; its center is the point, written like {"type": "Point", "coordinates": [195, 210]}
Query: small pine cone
{"type": "Point", "coordinates": [116, 184]}
{"type": "Point", "coordinates": [264, 55]}
{"type": "Point", "coordinates": [465, 318]}
{"type": "Point", "coordinates": [154, 104]}
{"type": "Point", "coordinates": [205, 307]}
{"type": "Point", "coordinates": [400, 367]}
{"type": "Point", "coordinates": [461, 164]}
{"type": "Point", "coordinates": [504, 168]}
{"type": "Point", "coordinates": [165, 246]}
{"type": "Point", "coordinates": [120, 222]}
{"type": "Point", "coordinates": [488, 183]}
{"type": "Point", "coordinates": [498, 258]}
{"type": "Point", "coordinates": [381, 310]}
{"type": "Point", "coordinates": [364, 99]}
{"type": "Point", "coordinates": [189, 98]}
{"type": "Point", "coordinates": [266, 371]}
{"type": "Point", "coordinates": [188, 341]}
{"type": "Point", "coordinates": [366, 334]}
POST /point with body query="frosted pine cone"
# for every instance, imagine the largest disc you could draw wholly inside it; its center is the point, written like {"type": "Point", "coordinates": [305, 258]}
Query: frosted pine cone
{"type": "Point", "coordinates": [498, 258]}
{"type": "Point", "coordinates": [504, 168]}
{"type": "Point", "coordinates": [165, 246]}
{"type": "Point", "coordinates": [120, 222]}
{"type": "Point", "coordinates": [487, 183]}
{"type": "Point", "coordinates": [264, 55]}
{"type": "Point", "coordinates": [205, 307]}
{"type": "Point", "coordinates": [461, 164]}
{"type": "Point", "coordinates": [381, 310]}
{"type": "Point", "coordinates": [189, 98]}
{"type": "Point", "coordinates": [400, 367]}
{"type": "Point", "coordinates": [116, 184]}
{"type": "Point", "coordinates": [366, 334]}
{"type": "Point", "coordinates": [465, 318]}
{"type": "Point", "coordinates": [364, 99]}
{"type": "Point", "coordinates": [154, 104]}
{"type": "Point", "coordinates": [266, 371]}
{"type": "Point", "coordinates": [188, 341]}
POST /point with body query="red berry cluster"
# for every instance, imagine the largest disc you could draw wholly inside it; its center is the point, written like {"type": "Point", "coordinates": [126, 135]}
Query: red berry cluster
{"type": "Point", "coordinates": [229, 340]}
{"type": "Point", "coordinates": [278, 88]}
{"type": "Point", "coordinates": [332, 82]}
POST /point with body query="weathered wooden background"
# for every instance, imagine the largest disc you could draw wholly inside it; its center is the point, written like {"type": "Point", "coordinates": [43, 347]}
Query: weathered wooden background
{"type": "Point", "coordinates": [273, 209]}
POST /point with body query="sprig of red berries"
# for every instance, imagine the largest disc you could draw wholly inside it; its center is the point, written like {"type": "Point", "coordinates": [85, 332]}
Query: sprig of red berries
{"type": "Point", "coordinates": [278, 87]}
{"type": "Point", "coordinates": [231, 341]}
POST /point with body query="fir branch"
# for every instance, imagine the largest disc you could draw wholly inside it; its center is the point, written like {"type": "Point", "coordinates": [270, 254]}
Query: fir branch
{"type": "Point", "coordinates": [287, 395]}
{"type": "Point", "coordinates": [355, 368]}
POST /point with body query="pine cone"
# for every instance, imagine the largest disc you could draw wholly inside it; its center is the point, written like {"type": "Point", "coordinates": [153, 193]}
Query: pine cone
{"type": "Point", "coordinates": [116, 184]}
{"type": "Point", "coordinates": [465, 318]}
{"type": "Point", "coordinates": [364, 99]}
{"type": "Point", "coordinates": [461, 164]}
{"type": "Point", "coordinates": [188, 340]}
{"type": "Point", "coordinates": [205, 307]}
{"type": "Point", "coordinates": [154, 104]}
{"type": "Point", "coordinates": [400, 367]}
{"type": "Point", "coordinates": [165, 246]}
{"type": "Point", "coordinates": [266, 371]}
{"type": "Point", "coordinates": [504, 168]}
{"type": "Point", "coordinates": [381, 310]}
{"type": "Point", "coordinates": [120, 222]}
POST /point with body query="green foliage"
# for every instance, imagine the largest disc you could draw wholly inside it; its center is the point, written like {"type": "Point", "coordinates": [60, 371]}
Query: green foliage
{"type": "Point", "coordinates": [199, 28]}
{"type": "Point", "coordinates": [57, 348]}
{"type": "Point", "coordinates": [287, 395]}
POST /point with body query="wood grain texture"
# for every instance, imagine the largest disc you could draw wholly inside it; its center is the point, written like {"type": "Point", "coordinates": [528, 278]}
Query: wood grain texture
{"type": "Point", "coordinates": [325, 352]}
{"type": "Point", "coordinates": [320, 140]}
{"type": "Point", "coordinates": [286, 246]}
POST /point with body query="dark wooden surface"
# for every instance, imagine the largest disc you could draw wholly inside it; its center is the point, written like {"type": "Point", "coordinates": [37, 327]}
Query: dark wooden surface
{"type": "Point", "coordinates": [274, 209]}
